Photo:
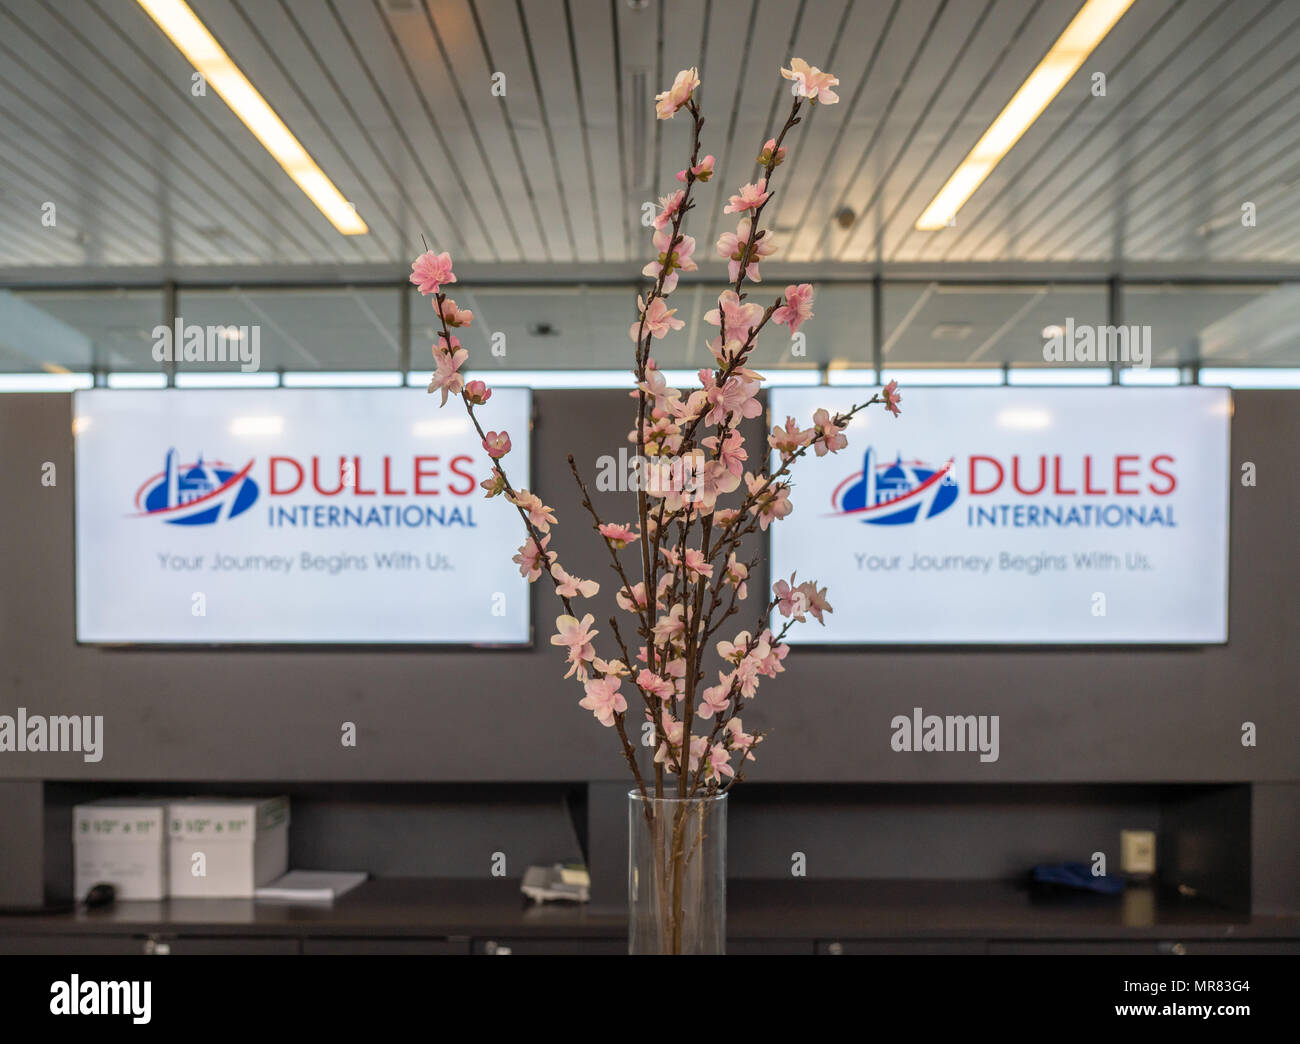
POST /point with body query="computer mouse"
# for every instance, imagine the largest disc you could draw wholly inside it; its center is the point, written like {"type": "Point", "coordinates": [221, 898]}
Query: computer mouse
{"type": "Point", "coordinates": [100, 895]}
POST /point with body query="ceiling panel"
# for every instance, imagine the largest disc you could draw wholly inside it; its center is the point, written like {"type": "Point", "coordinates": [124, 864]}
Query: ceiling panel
{"type": "Point", "coordinates": [76, 330]}
{"type": "Point", "coordinates": [576, 327]}
{"type": "Point", "coordinates": [345, 328]}
{"type": "Point", "coordinates": [395, 100]}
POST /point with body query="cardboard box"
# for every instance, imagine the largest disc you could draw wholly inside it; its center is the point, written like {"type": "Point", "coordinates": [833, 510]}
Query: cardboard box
{"type": "Point", "coordinates": [122, 842]}
{"type": "Point", "coordinates": [226, 848]}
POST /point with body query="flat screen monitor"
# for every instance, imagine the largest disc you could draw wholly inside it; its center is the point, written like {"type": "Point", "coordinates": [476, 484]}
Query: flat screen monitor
{"type": "Point", "coordinates": [1014, 516]}
{"type": "Point", "coordinates": [286, 516]}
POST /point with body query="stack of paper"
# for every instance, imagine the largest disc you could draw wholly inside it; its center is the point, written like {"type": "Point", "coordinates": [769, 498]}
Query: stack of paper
{"type": "Point", "coordinates": [310, 886]}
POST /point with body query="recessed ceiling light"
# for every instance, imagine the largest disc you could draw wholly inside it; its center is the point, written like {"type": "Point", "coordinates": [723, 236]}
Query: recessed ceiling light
{"type": "Point", "coordinates": [844, 217]}
{"type": "Point", "coordinates": [951, 331]}
{"type": "Point", "coordinates": [1089, 27]}
{"type": "Point", "coordinates": [192, 38]}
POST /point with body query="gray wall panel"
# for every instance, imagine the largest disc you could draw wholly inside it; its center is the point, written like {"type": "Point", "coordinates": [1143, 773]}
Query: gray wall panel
{"type": "Point", "coordinates": [1066, 715]}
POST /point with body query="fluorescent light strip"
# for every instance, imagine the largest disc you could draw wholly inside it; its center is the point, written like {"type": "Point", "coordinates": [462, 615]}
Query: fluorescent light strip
{"type": "Point", "coordinates": [540, 378]}
{"type": "Point", "coordinates": [343, 379]}
{"type": "Point", "coordinates": [1095, 19]}
{"type": "Point", "coordinates": [1160, 376]}
{"type": "Point", "coordinates": [559, 379]}
{"type": "Point", "coordinates": [142, 381]}
{"type": "Point", "coordinates": [269, 425]}
{"type": "Point", "coordinates": [1251, 377]}
{"type": "Point", "coordinates": [985, 376]}
{"type": "Point", "coordinates": [192, 38]}
{"type": "Point", "coordinates": [1075, 376]}
{"type": "Point", "coordinates": [784, 378]}
{"type": "Point", "coordinates": [45, 382]}
{"type": "Point", "coordinates": [227, 380]}
{"type": "Point", "coordinates": [856, 378]}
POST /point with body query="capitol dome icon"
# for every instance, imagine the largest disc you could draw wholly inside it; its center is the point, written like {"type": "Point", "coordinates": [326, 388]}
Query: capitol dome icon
{"type": "Point", "coordinates": [895, 493]}
{"type": "Point", "coordinates": [198, 493]}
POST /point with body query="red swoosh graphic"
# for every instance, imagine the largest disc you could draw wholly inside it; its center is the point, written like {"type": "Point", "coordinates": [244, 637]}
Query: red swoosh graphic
{"type": "Point", "coordinates": [238, 477]}
{"type": "Point", "coordinates": [938, 476]}
{"type": "Point", "coordinates": [180, 467]}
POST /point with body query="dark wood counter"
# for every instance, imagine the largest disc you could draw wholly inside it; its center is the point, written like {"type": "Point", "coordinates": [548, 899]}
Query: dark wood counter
{"type": "Point", "coordinates": [801, 916]}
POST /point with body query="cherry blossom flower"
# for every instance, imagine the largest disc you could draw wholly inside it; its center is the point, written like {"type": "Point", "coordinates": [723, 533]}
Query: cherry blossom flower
{"type": "Point", "coordinates": [788, 440]}
{"type": "Point", "coordinates": [719, 764]}
{"type": "Point", "coordinates": [603, 699]}
{"type": "Point", "coordinates": [713, 481]}
{"type": "Point", "coordinates": [770, 653]}
{"type": "Point", "coordinates": [577, 634]}
{"type": "Point", "coordinates": [892, 398]}
{"type": "Point", "coordinates": [716, 698]}
{"type": "Point", "coordinates": [617, 534]}
{"type": "Point", "coordinates": [430, 271]}
{"type": "Point", "coordinates": [539, 515]}
{"type": "Point", "coordinates": [668, 206]}
{"type": "Point", "coordinates": [696, 564]}
{"type": "Point", "coordinates": [750, 197]}
{"type": "Point", "coordinates": [731, 454]}
{"type": "Point", "coordinates": [738, 316]}
{"type": "Point", "coordinates": [731, 245]}
{"type": "Point", "coordinates": [771, 154]}
{"type": "Point", "coordinates": [725, 353]}
{"type": "Point", "coordinates": [791, 600]}
{"type": "Point", "coordinates": [672, 731]}
{"type": "Point", "coordinates": [654, 685]}
{"type": "Point", "coordinates": [614, 667]}
{"type": "Point", "coordinates": [452, 315]}
{"type": "Point", "coordinates": [699, 745]}
{"type": "Point", "coordinates": [679, 259]}
{"type": "Point", "coordinates": [747, 677]}
{"type": "Point", "coordinates": [811, 83]}
{"type": "Point", "coordinates": [735, 651]}
{"type": "Point", "coordinates": [497, 444]}
{"type": "Point", "coordinates": [732, 400]}
{"type": "Point", "coordinates": [667, 103]}
{"type": "Point", "coordinates": [447, 378]}
{"type": "Point", "coordinates": [816, 599]}
{"type": "Point", "coordinates": [633, 600]}
{"type": "Point", "coordinates": [531, 558]}
{"type": "Point", "coordinates": [494, 484]}
{"type": "Point", "coordinates": [671, 628]}
{"type": "Point", "coordinates": [830, 437]}
{"type": "Point", "coordinates": [675, 671]}
{"type": "Point", "coordinates": [702, 170]}
{"type": "Point", "coordinates": [658, 319]}
{"type": "Point", "coordinates": [570, 586]}
{"type": "Point", "coordinates": [477, 392]}
{"type": "Point", "coordinates": [656, 386]}
{"type": "Point", "coordinates": [736, 574]}
{"type": "Point", "coordinates": [738, 738]}
{"type": "Point", "coordinates": [770, 505]}
{"type": "Point", "coordinates": [797, 308]}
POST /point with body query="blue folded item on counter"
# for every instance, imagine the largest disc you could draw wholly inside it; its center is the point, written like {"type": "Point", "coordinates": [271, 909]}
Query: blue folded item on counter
{"type": "Point", "coordinates": [1076, 877]}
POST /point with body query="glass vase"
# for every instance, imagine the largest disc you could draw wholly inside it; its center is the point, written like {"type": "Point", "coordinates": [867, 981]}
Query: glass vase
{"type": "Point", "coordinates": [677, 874]}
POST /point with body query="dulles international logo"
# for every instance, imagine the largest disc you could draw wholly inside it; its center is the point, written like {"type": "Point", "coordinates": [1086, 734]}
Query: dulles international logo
{"type": "Point", "coordinates": [895, 492]}
{"type": "Point", "coordinates": [196, 494]}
